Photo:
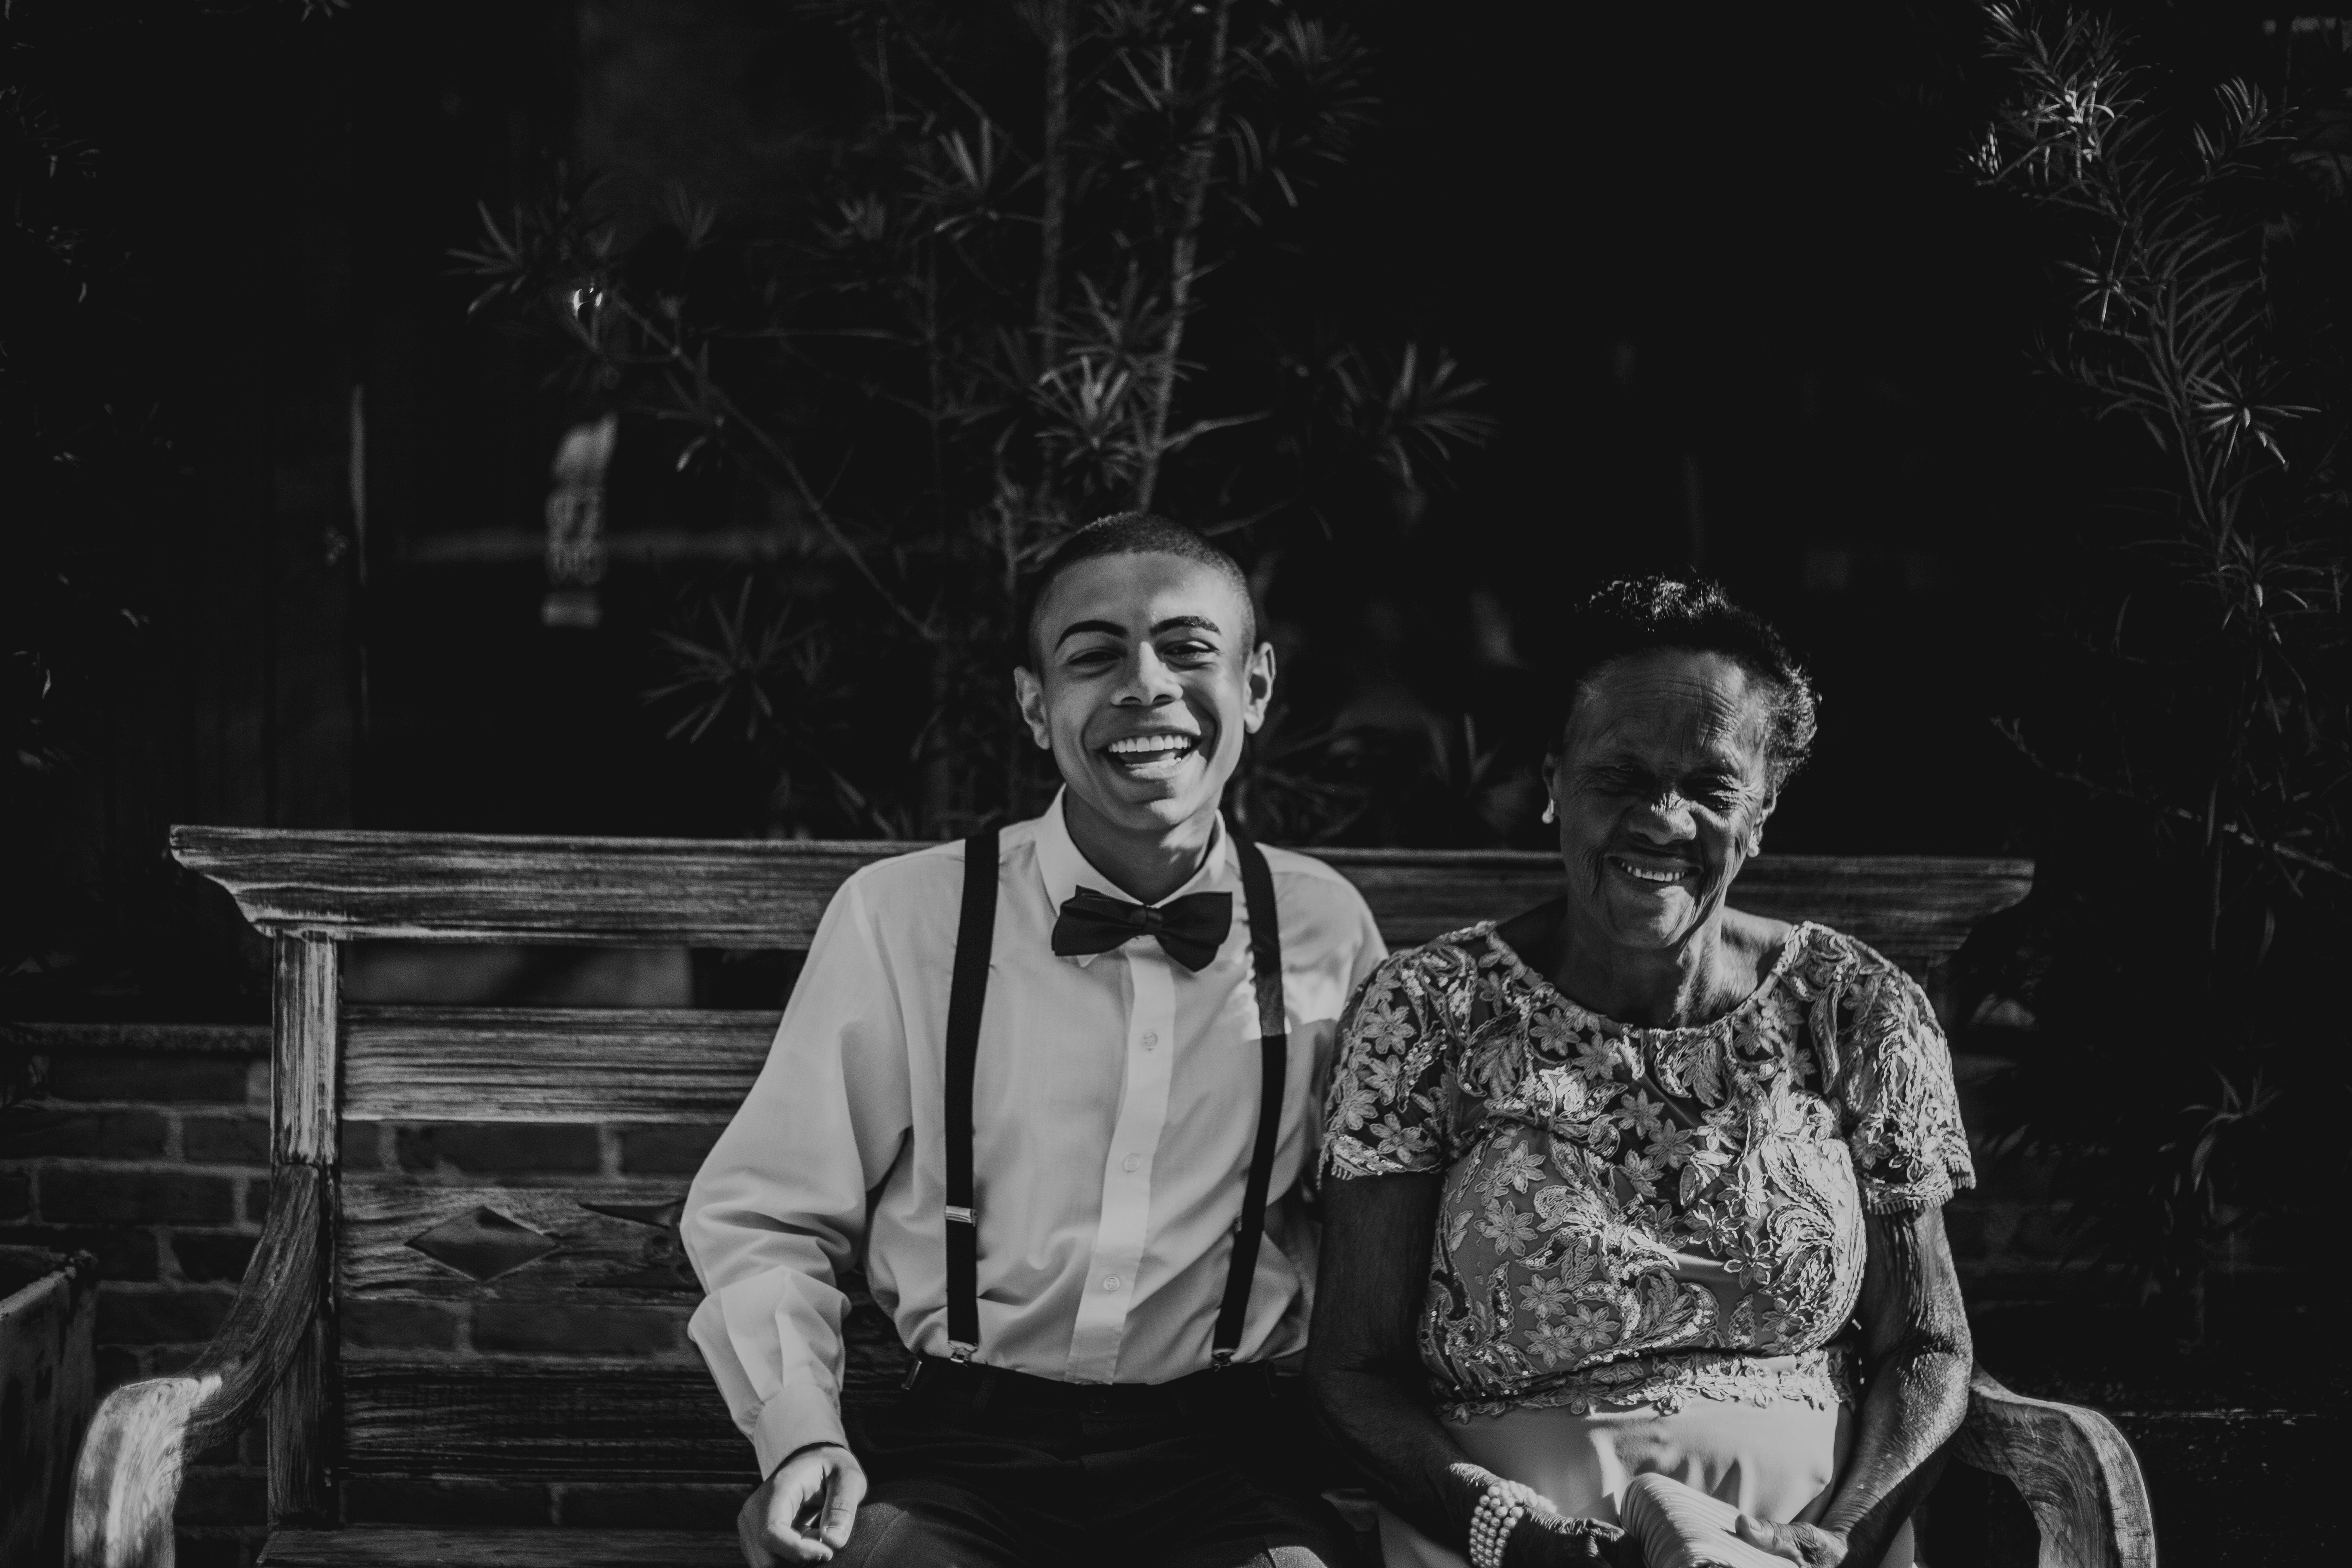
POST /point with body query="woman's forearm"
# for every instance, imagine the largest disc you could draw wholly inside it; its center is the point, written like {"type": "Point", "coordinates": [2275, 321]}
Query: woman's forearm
{"type": "Point", "coordinates": [1389, 1432]}
{"type": "Point", "coordinates": [1914, 1404]}
{"type": "Point", "coordinates": [1917, 1354]}
{"type": "Point", "coordinates": [1362, 1356]}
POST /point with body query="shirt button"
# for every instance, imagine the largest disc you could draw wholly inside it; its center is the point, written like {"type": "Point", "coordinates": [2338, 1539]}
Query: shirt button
{"type": "Point", "coordinates": [1111, 1281]}
{"type": "Point", "coordinates": [1149, 1041]}
{"type": "Point", "coordinates": [1131, 1162]}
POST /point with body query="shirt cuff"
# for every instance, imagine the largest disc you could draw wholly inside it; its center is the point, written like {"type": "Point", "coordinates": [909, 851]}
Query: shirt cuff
{"type": "Point", "coordinates": [796, 1417]}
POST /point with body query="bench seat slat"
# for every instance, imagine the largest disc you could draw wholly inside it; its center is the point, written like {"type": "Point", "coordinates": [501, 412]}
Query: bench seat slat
{"type": "Point", "coordinates": [727, 893]}
{"type": "Point", "coordinates": [618, 1065]}
{"type": "Point", "coordinates": [478, 1417]}
{"type": "Point", "coordinates": [382, 1546]}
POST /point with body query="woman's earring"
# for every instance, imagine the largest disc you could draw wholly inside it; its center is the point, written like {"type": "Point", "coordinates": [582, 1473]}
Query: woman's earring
{"type": "Point", "coordinates": [1552, 809]}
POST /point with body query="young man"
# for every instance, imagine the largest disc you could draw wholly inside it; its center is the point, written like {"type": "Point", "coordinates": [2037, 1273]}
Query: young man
{"type": "Point", "coordinates": [1036, 1102]}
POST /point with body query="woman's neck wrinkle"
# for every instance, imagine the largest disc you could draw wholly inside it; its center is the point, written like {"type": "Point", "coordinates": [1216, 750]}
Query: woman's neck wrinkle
{"type": "Point", "coordinates": [1676, 987]}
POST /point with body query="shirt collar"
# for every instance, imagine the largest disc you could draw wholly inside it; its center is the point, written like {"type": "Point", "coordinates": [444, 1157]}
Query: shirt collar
{"type": "Point", "coordinates": [1064, 867]}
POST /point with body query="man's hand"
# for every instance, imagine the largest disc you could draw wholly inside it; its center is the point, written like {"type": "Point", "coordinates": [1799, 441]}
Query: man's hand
{"type": "Point", "coordinates": [804, 1512]}
{"type": "Point", "coordinates": [1807, 1544]}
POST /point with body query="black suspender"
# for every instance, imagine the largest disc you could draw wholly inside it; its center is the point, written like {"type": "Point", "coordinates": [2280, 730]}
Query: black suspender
{"type": "Point", "coordinates": [975, 935]}
{"type": "Point", "coordinates": [1274, 1050]}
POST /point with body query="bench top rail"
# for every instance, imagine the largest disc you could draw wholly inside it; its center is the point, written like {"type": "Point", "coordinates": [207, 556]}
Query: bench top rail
{"type": "Point", "coordinates": [728, 893]}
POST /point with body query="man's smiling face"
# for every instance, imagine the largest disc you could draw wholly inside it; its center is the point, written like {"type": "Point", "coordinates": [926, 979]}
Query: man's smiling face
{"type": "Point", "coordinates": [1145, 684]}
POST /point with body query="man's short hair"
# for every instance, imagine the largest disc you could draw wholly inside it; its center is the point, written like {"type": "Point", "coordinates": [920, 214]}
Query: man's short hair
{"type": "Point", "coordinates": [1132, 533]}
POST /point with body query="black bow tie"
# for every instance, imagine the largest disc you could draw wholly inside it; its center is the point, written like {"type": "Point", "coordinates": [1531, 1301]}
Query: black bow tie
{"type": "Point", "coordinates": [1189, 929]}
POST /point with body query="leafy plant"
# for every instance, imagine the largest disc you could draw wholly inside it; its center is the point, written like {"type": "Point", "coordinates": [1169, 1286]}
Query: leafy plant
{"type": "Point", "coordinates": [1048, 270]}
{"type": "Point", "coordinates": [2189, 1016]}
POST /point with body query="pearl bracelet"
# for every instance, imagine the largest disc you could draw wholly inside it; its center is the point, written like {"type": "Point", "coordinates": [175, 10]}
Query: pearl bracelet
{"type": "Point", "coordinates": [1500, 1508]}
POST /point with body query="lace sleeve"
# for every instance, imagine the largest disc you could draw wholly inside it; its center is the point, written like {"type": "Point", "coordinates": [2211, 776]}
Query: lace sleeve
{"type": "Point", "coordinates": [1896, 1104]}
{"type": "Point", "coordinates": [1383, 1115]}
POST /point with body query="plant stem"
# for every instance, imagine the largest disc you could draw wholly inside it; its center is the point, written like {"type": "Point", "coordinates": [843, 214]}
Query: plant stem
{"type": "Point", "coordinates": [1199, 165]}
{"type": "Point", "coordinates": [933, 408]}
{"type": "Point", "coordinates": [1055, 216]}
{"type": "Point", "coordinates": [930, 62]}
{"type": "Point", "coordinates": [775, 452]}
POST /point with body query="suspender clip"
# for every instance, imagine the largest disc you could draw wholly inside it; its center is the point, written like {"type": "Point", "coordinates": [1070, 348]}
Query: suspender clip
{"type": "Point", "coordinates": [959, 1353]}
{"type": "Point", "coordinates": [959, 1215]}
{"type": "Point", "coordinates": [1220, 1359]}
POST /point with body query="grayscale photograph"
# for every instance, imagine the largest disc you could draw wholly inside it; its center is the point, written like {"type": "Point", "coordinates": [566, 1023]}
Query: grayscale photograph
{"type": "Point", "coordinates": [1204, 784]}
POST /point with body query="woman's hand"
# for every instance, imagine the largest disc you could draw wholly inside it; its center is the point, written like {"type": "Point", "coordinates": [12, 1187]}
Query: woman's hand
{"type": "Point", "coordinates": [1546, 1539]}
{"type": "Point", "coordinates": [804, 1512]}
{"type": "Point", "coordinates": [1807, 1544]}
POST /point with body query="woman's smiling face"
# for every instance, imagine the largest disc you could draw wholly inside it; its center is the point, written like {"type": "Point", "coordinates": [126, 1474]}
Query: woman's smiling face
{"type": "Point", "coordinates": [1662, 784]}
{"type": "Point", "coordinates": [1146, 684]}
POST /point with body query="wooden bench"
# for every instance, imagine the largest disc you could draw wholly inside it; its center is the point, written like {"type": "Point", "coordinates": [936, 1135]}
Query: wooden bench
{"type": "Point", "coordinates": [338, 1244]}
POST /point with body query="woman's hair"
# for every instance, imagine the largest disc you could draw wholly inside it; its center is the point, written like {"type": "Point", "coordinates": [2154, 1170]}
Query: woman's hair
{"type": "Point", "coordinates": [1635, 616]}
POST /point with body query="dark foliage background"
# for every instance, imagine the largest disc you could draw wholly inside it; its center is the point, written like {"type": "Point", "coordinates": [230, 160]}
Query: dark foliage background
{"type": "Point", "coordinates": [2194, 725]}
{"type": "Point", "coordinates": [1738, 298]}
{"type": "Point", "coordinates": [1044, 265]}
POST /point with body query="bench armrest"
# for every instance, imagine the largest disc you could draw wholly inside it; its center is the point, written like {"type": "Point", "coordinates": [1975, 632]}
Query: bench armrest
{"type": "Point", "coordinates": [2073, 1470]}
{"type": "Point", "coordinates": [127, 1480]}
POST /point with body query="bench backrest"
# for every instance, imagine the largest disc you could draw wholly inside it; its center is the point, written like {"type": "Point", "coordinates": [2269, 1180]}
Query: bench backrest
{"type": "Point", "coordinates": [535, 1328]}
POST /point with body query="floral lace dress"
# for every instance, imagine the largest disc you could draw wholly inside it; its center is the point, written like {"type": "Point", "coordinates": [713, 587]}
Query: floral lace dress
{"type": "Point", "coordinates": [1635, 1216]}
{"type": "Point", "coordinates": [1648, 1238]}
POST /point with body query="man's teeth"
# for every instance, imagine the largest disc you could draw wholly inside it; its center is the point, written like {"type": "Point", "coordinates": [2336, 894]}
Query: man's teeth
{"type": "Point", "coordinates": [1641, 874]}
{"type": "Point", "coordinates": [1150, 745]}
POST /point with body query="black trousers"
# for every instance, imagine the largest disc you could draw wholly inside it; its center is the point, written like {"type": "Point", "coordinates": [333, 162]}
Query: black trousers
{"type": "Point", "coordinates": [975, 1468]}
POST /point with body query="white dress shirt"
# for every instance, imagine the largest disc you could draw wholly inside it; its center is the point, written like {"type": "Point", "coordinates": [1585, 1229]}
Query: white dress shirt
{"type": "Point", "coordinates": [1114, 1107]}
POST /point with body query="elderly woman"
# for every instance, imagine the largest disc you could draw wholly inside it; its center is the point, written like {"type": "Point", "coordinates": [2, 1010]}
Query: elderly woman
{"type": "Point", "coordinates": [1610, 1181]}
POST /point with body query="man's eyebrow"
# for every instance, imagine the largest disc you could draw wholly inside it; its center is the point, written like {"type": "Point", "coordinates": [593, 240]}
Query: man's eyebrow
{"type": "Point", "coordinates": [1075, 627]}
{"type": "Point", "coordinates": [1187, 623]}
{"type": "Point", "coordinates": [1172, 623]}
